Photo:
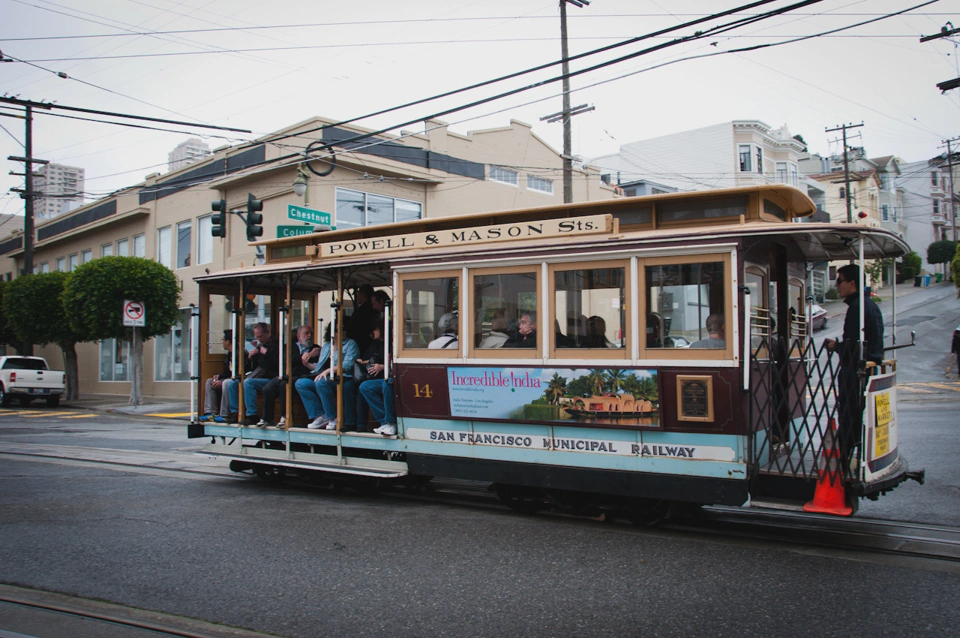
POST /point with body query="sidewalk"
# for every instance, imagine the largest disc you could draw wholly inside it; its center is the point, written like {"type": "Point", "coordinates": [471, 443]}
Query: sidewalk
{"type": "Point", "coordinates": [168, 407]}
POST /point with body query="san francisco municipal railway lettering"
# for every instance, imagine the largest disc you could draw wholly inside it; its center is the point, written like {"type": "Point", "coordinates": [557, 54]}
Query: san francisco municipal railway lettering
{"type": "Point", "coordinates": [573, 444]}
{"type": "Point", "coordinates": [577, 226]}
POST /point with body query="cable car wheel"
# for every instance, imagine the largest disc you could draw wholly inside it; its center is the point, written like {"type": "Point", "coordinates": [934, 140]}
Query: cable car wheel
{"type": "Point", "coordinates": [524, 500]}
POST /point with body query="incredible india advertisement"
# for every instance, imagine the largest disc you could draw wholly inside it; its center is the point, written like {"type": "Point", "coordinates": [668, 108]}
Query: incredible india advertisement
{"type": "Point", "coordinates": [568, 395]}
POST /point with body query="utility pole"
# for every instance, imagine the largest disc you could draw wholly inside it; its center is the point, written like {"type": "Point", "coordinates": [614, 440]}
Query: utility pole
{"type": "Point", "coordinates": [953, 204]}
{"type": "Point", "coordinates": [567, 113]}
{"type": "Point", "coordinates": [846, 166]}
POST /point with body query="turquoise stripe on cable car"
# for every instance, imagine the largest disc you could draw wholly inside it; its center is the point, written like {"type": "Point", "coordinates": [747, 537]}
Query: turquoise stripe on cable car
{"type": "Point", "coordinates": [690, 454]}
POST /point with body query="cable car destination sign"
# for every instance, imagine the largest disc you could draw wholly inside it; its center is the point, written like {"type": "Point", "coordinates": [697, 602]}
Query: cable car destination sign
{"type": "Point", "coordinates": [452, 237]}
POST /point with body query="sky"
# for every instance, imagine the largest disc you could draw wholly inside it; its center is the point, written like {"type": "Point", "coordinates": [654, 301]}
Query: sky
{"type": "Point", "coordinates": [266, 65]}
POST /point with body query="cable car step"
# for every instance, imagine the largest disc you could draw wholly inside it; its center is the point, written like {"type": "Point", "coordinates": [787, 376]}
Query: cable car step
{"type": "Point", "coordinates": [776, 504]}
{"type": "Point", "coordinates": [305, 461]}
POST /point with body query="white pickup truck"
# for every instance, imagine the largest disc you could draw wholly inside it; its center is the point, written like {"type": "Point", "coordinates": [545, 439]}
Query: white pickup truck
{"type": "Point", "coordinates": [29, 378]}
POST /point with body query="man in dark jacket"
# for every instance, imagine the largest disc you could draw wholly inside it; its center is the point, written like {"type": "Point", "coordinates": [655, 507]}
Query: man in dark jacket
{"type": "Point", "coordinates": [302, 351]}
{"type": "Point", "coordinates": [362, 319]}
{"type": "Point", "coordinates": [849, 392]}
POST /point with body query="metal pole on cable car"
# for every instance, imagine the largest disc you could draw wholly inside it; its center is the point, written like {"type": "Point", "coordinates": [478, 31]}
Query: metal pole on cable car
{"type": "Point", "coordinates": [863, 284]}
{"type": "Point", "coordinates": [283, 315]}
{"type": "Point", "coordinates": [893, 278]}
{"type": "Point", "coordinates": [746, 356]}
{"type": "Point", "coordinates": [339, 316]}
{"type": "Point", "coordinates": [240, 370]}
{"type": "Point", "coordinates": [194, 361]}
{"type": "Point", "coordinates": [387, 345]}
{"type": "Point", "coordinates": [288, 395]}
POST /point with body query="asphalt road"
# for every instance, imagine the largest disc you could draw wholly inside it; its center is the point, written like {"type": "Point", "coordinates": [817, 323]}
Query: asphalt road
{"type": "Point", "coordinates": [307, 563]}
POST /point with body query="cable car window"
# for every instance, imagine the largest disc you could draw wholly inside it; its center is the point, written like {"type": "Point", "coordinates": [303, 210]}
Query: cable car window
{"type": "Point", "coordinates": [678, 211]}
{"type": "Point", "coordinates": [642, 215]}
{"type": "Point", "coordinates": [772, 208]}
{"type": "Point", "coordinates": [431, 313]}
{"type": "Point", "coordinates": [590, 305]}
{"type": "Point", "coordinates": [686, 306]}
{"type": "Point", "coordinates": [506, 307]}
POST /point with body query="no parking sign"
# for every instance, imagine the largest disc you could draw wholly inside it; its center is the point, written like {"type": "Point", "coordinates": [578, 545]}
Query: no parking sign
{"type": "Point", "coordinates": [134, 314]}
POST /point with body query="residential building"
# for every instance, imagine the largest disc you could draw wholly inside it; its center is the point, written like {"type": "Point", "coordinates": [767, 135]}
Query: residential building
{"type": "Point", "coordinates": [736, 153]}
{"type": "Point", "coordinates": [62, 188]}
{"type": "Point", "coordinates": [380, 179]}
{"type": "Point", "coordinates": [927, 211]}
{"type": "Point", "coordinates": [185, 153]}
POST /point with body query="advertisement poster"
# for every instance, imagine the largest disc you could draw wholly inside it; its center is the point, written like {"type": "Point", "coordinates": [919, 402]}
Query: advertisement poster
{"type": "Point", "coordinates": [567, 395]}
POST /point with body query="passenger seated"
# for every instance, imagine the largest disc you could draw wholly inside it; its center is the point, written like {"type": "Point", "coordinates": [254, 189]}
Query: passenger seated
{"type": "Point", "coordinates": [716, 338]}
{"type": "Point", "coordinates": [376, 393]}
{"type": "Point", "coordinates": [449, 328]}
{"type": "Point", "coordinates": [596, 334]}
{"type": "Point", "coordinates": [655, 332]}
{"type": "Point", "coordinates": [526, 336]}
{"type": "Point", "coordinates": [320, 398]}
{"type": "Point", "coordinates": [498, 331]}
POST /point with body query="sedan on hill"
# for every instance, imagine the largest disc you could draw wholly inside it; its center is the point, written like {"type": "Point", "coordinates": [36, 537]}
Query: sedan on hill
{"type": "Point", "coordinates": [818, 317]}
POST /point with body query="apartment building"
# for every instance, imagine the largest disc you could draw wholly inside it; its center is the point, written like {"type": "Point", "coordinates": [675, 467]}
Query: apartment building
{"type": "Point", "coordinates": [927, 210]}
{"type": "Point", "coordinates": [62, 187]}
{"type": "Point", "coordinates": [185, 153]}
{"type": "Point", "coordinates": [435, 173]}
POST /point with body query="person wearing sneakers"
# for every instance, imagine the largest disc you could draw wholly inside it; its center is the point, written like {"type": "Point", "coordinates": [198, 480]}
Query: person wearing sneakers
{"type": "Point", "coordinates": [320, 397]}
{"type": "Point", "coordinates": [376, 393]}
{"type": "Point", "coordinates": [302, 352]}
{"type": "Point", "coordinates": [264, 364]}
{"type": "Point", "coordinates": [216, 402]}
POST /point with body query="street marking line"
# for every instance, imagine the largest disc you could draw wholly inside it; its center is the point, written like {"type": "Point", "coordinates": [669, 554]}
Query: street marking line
{"type": "Point", "coordinates": [170, 415]}
{"type": "Point", "coordinates": [79, 416]}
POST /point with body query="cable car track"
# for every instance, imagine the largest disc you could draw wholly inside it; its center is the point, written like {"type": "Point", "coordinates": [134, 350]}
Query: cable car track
{"type": "Point", "coordinates": [913, 540]}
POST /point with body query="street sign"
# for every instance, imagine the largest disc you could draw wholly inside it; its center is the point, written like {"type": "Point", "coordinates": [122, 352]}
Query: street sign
{"type": "Point", "coordinates": [134, 314]}
{"type": "Point", "coordinates": [308, 215]}
{"type": "Point", "coordinates": [293, 231]}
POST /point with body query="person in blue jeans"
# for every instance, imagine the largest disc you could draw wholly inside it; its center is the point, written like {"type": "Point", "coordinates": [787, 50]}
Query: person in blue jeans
{"type": "Point", "coordinates": [265, 357]}
{"type": "Point", "coordinates": [376, 393]}
{"type": "Point", "coordinates": [320, 395]}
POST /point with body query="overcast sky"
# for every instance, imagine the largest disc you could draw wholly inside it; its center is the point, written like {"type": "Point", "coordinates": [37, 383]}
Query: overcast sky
{"type": "Point", "coordinates": [352, 58]}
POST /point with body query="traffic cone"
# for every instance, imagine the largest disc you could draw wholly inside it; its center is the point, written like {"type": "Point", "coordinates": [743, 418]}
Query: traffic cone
{"type": "Point", "coordinates": [829, 497]}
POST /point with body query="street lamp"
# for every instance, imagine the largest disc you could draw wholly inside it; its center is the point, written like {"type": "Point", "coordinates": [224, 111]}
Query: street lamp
{"type": "Point", "coordinates": [300, 185]}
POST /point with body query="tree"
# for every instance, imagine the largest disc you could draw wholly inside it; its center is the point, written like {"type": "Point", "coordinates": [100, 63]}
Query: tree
{"type": "Point", "coordinates": [94, 296]}
{"type": "Point", "coordinates": [909, 266]}
{"type": "Point", "coordinates": [955, 268]}
{"type": "Point", "coordinates": [557, 388]}
{"type": "Point", "coordinates": [33, 308]}
{"type": "Point", "coordinates": [941, 252]}
{"type": "Point", "coordinates": [800, 139]}
{"type": "Point", "coordinates": [7, 335]}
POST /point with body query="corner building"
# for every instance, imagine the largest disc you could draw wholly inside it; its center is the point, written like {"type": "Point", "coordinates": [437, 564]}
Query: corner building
{"type": "Point", "coordinates": [379, 180]}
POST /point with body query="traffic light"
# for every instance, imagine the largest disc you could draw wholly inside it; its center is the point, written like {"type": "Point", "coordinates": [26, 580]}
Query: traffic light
{"type": "Point", "coordinates": [254, 218]}
{"type": "Point", "coordinates": [218, 226]}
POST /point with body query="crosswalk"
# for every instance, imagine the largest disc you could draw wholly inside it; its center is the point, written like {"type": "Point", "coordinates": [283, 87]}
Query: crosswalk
{"type": "Point", "coordinates": [929, 387]}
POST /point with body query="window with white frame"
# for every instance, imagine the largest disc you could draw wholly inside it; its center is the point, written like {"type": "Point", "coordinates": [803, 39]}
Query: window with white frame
{"type": "Point", "coordinates": [504, 175]}
{"type": "Point", "coordinates": [86, 255]}
{"type": "Point", "coordinates": [61, 264]}
{"type": "Point", "coordinates": [123, 247]}
{"type": "Point", "coordinates": [895, 214]}
{"type": "Point", "coordinates": [184, 243]}
{"type": "Point", "coordinates": [885, 212]}
{"type": "Point", "coordinates": [781, 172]}
{"type": "Point", "coordinates": [204, 240]}
{"type": "Point", "coordinates": [140, 245]}
{"type": "Point", "coordinates": [357, 208]}
{"type": "Point", "coordinates": [45, 267]}
{"type": "Point", "coordinates": [171, 351]}
{"type": "Point", "coordinates": [936, 207]}
{"type": "Point", "coordinates": [745, 164]}
{"type": "Point", "coordinates": [759, 160]}
{"type": "Point", "coordinates": [164, 245]}
{"type": "Point", "coordinates": [539, 184]}
{"type": "Point", "coordinates": [933, 178]}
{"type": "Point", "coordinates": [114, 360]}
{"type": "Point", "coordinates": [72, 262]}
{"type": "Point", "coordinates": [106, 250]}
{"type": "Point", "coordinates": [794, 174]}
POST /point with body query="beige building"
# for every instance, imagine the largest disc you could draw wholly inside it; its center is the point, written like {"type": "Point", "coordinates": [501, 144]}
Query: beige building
{"type": "Point", "coordinates": [167, 218]}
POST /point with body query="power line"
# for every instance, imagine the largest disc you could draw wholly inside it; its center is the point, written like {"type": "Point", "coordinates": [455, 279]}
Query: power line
{"type": "Point", "coordinates": [367, 23]}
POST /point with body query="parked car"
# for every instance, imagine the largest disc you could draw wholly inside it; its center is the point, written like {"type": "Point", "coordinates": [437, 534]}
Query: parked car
{"type": "Point", "coordinates": [29, 378]}
{"type": "Point", "coordinates": [818, 317]}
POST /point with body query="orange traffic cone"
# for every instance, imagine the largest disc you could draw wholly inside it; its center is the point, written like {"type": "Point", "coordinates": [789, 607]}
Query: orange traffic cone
{"type": "Point", "coordinates": [829, 497]}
